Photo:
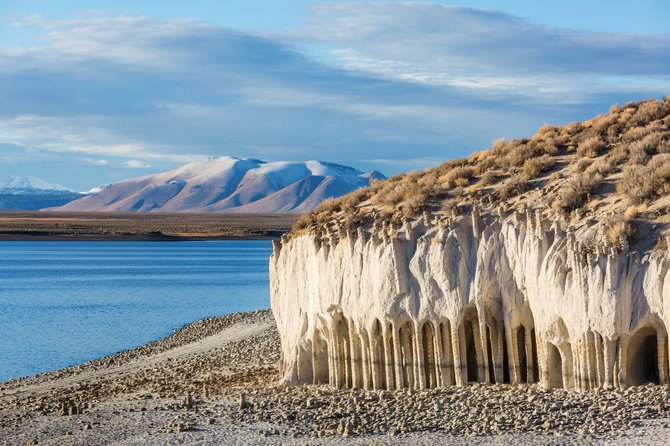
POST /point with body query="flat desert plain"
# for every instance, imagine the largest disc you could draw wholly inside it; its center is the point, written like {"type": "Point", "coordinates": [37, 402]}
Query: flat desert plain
{"type": "Point", "coordinates": [141, 226]}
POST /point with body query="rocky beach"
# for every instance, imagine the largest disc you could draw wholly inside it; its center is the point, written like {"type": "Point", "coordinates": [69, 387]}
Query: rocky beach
{"type": "Point", "coordinates": [217, 382]}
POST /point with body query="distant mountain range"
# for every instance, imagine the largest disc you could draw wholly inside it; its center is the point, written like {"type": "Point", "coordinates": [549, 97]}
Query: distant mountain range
{"type": "Point", "coordinates": [30, 193]}
{"type": "Point", "coordinates": [228, 184]}
{"type": "Point", "coordinates": [19, 185]}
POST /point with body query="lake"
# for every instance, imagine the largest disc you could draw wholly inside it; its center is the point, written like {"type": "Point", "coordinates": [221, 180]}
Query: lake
{"type": "Point", "coordinates": [64, 303]}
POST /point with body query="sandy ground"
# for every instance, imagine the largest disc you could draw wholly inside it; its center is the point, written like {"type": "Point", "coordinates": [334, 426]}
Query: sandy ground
{"type": "Point", "coordinates": [215, 383]}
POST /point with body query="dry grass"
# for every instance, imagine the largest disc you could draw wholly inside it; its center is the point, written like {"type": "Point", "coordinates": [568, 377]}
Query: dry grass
{"type": "Point", "coordinates": [602, 167]}
{"type": "Point", "coordinates": [577, 191]}
{"type": "Point", "coordinates": [533, 167]}
{"type": "Point", "coordinates": [634, 212]}
{"type": "Point", "coordinates": [641, 150]}
{"type": "Point", "coordinates": [517, 152]}
{"type": "Point", "coordinates": [583, 164]}
{"type": "Point", "coordinates": [619, 230]}
{"type": "Point", "coordinates": [489, 177]}
{"type": "Point", "coordinates": [451, 208]}
{"type": "Point", "coordinates": [640, 183]}
{"type": "Point", "coordinates": [630, 146]}
{"type": "Point", "coordinates": [591, 147]}
{"type": "Point", "coordinates": [623, 228]}
{"type": "Point", "coordinates": [513, 187]}
{"type": "Point", "coordinates": [458, 176]}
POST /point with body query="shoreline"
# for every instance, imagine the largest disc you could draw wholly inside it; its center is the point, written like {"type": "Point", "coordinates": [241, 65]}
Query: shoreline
{"type": "Point", "coordinates": [189, 332]}
{"type": "Point", "coordinates": [100, 226]}
{"type": "Point", "coordinates": [216, 381]}
{"type": "Point", "coordinates": [56, 237]}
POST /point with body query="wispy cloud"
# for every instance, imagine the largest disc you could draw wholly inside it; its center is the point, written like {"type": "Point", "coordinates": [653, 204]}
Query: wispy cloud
{"type": "Point", "coordinates": [136, 164]}
{"type": "Point", "coordinates": [403, 82]}
{"type": "Point", "coordinates": [180, 90]}
{"type": "Point", "coordinates": [488, 51]}
{"type": "Point", "coordinates": [96, 161]}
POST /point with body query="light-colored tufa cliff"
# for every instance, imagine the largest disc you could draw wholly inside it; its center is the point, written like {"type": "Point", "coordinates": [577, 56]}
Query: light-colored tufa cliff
{"type": "Point", "coordinates": [436, 303]}
{"type": "Point", "coordinates": [540, 260]}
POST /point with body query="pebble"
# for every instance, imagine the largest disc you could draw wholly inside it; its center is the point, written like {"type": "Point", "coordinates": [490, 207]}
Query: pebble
{"type": "Point", "coordinates": [239, 382]}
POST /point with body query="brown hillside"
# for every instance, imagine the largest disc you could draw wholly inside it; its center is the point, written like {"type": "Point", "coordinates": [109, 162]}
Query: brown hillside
{"type": "Point", "coordinates": [611, 172]}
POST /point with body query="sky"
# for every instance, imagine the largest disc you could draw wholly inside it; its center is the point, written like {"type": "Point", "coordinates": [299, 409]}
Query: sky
{"type": "Point", "coordinates": [97, 91]}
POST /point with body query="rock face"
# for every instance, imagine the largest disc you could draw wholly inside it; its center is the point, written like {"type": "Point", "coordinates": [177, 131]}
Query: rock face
{"type": "Point", "coordinates": [492, 299]}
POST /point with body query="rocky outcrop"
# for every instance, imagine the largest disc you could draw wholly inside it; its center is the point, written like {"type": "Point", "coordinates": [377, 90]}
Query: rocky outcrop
{"type": "Point", "coordinates": [508, 298]}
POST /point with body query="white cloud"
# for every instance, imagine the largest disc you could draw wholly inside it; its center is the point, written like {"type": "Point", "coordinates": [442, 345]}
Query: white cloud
{"type": "Point", "coordinates": [96, 161]}
{"type": "Point", "coordinates": [404, 81]}
{"type": "Point", "coordinates": [487, 52]}
{"type": "Point", "coordinates": [136, 164]}
{"type": "Point", "coordinates": [86, 135]}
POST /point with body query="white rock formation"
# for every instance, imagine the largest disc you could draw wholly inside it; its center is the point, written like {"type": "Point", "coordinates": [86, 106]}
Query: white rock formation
{"type": "Point", "coordinates": [436, 303]}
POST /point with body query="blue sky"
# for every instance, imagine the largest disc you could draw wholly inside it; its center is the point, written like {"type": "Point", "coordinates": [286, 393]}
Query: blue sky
{"type": "Point", "coordinates": [97, 91]}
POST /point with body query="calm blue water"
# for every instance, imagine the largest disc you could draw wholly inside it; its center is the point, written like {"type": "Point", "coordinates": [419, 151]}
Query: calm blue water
{"type": "Point", "coordinates": [63, 303]}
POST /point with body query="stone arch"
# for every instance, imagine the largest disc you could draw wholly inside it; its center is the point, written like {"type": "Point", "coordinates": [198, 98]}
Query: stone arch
{"type": "Point", "coordinates": [320, 365]}
{"type": "Point", "coordinates": [559, 337]}
{"type": "Point", "coordinates": [378, 357]}
{"type": "Point", "coordinates": [524, 346]}
{"type": "Point", "coordinates": [490, 378]}
{"type": "Point", "coordinates": [554, 366]}
{"type": "Point", "coordinates": [470, 352]}
{"type": "Point", "coordinates": [342, 352]}
{"type": "Point", "coordinates": [526, 366]}
{"type": "Point", "coordinates": [446, 365]}
{"type": "Point", "coordinates": [506, 378]}
{"type": "Point", "coordinates": [430, 355]}
{"type": "Point", "coordinates": [471, 347]}
{"type": "Point", "coordinates": [642, 365]}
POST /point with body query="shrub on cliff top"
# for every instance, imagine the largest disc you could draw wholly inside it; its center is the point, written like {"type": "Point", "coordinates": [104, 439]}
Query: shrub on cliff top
{"type": "Point", "coordinates": [577, 190]}
{"type": "Point", "coordinates": [640, 183]}
{"type": "Point", "coordinates": [619, 229]}
{"type": "Point", "coordinates": [634, 139]}
{"type": "Point", "coordinates": [602, 166]}
{"type": "Point", "coordinates": [591, 147]}
{"type": "Point", "coordinates": [641, 150]}
{"type": "Point", "coordinates": [512, 187]}
{"type": "Point", "coordinates": [535, 166]}
{"type": "Point", "coordinates": [458, 176]}
{"type": "Point", "coordinates": [519, 151]}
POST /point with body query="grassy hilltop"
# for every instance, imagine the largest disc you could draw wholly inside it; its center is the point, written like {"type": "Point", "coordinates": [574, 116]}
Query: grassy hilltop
{"type": "Point", "coordinates": [612, 171]}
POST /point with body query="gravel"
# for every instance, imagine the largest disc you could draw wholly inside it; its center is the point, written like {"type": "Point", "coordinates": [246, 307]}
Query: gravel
{"type": "Point", "coordinates": [231, 391]}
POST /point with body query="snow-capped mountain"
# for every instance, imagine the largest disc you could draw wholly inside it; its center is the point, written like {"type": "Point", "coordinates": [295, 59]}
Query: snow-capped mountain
{"type": "Point", "coordinates": [29, 184]}
{"type": "Point", "coordinates": [95, 190]}
{"type": "Point", "coordinates": [228, 184]}
{"type": "Point", "coordinates": [30, 193]}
